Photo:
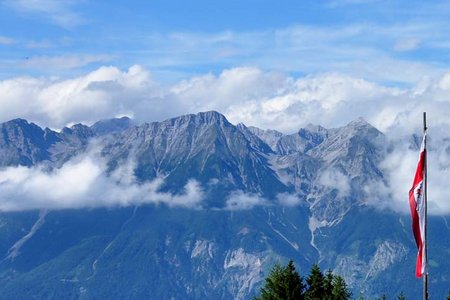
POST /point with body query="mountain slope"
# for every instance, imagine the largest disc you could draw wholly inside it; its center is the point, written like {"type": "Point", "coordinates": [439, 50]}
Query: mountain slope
{"type": "Point", "coordinates": [299, 196]}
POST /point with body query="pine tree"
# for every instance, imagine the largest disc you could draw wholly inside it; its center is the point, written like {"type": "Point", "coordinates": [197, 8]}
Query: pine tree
{"type": "Point", "coordinates": [328, 285]}
{"type": "Point", "coordinates": [283, 283]}
{"type": "Point", "coordinates": [448, 296]}
{"type": "Point", "coordinates": [401, 296]}
{"type": "Point", "coordinates": [315, 280]}
{"type": "Point", "coordinates": [383, 297]}
{"type": "Point", "coordinates": [340, 290]}
{"type": "Point", "coordinates": [294, 282]}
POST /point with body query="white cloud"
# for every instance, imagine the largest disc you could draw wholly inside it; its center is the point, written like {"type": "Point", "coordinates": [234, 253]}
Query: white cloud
{"type": "Point", "coordinates": [276, 101]}
{"type": "Point", "coordinates": [6, 41]}
{"type": "Point", "coordinates": [60, 12]}
{"type": "Point", "coordinates": [407, 44]}
{"type": "Point", "coordinates": [240, 200]}
{"type": "Point", "coordinates": [250, 95]}
{"type": "Point", "coordinates": [100, 94]}
{"type": "Point", "coordinates": [334, 179]}
{"type": "Point", "coordinates": [399, 168]}
{"type": "Point", "coordinates": [82, 182]}
{"type": "Point", "coordinates": [42, 44]}
{"type": "Point", "coordinates": [61, 62]}
{"type": "Point", "coordinates": [289, 200]}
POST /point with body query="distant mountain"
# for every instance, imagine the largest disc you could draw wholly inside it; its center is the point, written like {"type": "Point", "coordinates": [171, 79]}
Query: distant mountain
{"type": "Point", "coordinates": [300, 196]}
{"type": "Point", "coordinates": [26, 144]}
{"type": "Point", "coordinates": [203, 146]}
{"type": "Point", "coordinates": [22, 143]}
{"type": "Point", "coordinates": [109, 126]}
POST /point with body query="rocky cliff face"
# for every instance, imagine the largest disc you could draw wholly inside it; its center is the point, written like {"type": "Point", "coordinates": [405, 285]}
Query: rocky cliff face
{"type": "Point", "coordinates": [267, 197]}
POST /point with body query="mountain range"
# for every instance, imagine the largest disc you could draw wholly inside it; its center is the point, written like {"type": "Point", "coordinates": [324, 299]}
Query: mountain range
{"type": "Point", "coordinates": [215, 206]}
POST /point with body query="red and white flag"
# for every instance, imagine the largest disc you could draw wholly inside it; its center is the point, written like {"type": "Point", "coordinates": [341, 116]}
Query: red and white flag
{"type": "Point", "coordinates": [417, 205]}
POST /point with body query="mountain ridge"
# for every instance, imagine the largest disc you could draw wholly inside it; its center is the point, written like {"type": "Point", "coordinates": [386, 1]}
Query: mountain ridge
{"type": "Point", "coordinates": [268, 197]}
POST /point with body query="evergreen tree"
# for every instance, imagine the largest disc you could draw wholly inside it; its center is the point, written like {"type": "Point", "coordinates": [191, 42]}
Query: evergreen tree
{"type": "Point", "coordinates": [401, 296]}
{"type": "Point", "coordinates": [383, 297]}
{"type": "Point", "coordinates": [328, 285]}
{"type": "Point", "coordinates": [283, 283]}
{"type": "Point", "coordinates": [448, 296]}
{"type": "Point", "coordinates": [340, 290]}
{"type": "Point", "coordinates": [315, 280]}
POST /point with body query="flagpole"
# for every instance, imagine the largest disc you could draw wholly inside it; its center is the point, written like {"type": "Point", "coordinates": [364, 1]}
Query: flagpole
{"type": "Point", "coordinates": [425, 276]}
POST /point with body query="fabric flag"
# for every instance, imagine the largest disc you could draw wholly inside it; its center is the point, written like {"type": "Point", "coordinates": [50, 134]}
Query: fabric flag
{"type": "Point", "coordinates": [417, 205]}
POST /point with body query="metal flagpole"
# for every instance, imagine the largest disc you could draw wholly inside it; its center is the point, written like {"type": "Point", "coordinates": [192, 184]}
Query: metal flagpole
{"type": "Point", "coordinates": [425, 276]}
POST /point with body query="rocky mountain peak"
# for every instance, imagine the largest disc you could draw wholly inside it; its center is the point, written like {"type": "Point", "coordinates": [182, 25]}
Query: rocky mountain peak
{"type": "Point", "coordinates": [23, 126]}
{"type": "Point", "coordinates": [314, 128]}
{"type": "Point", "coordinates": [211, 117]}
{"type": "Point", "coordinates": [359, 126]}
{"type": "Point", "coordinates": [205, 118]}
{"type": "Point", "coordinates": [82, 130]}
{"type": "Point", "coordinates": [18, 122]}
{"type": "Point", "coordinates": [108, 126]}
{"type": "Point", "coordinates": [21, 143]}
{"type": "Point", "coordinates": [269, 136]}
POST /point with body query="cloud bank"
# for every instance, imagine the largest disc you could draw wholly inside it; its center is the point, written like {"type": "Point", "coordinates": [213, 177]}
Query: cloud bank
{"type": "Point", "coordinates": [399, 167]}
{"type": "Point", "coordinates": [83, 182]}
{"type": "Point", "coordinates": [240, 200]}
{"type": "Point", "coordinates": [260, 98]}
{"type": "Point", "coordinates": [334, 179]}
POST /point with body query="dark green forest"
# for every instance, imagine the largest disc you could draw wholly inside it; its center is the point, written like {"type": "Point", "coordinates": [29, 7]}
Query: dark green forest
{"type": "Point", "coordinates": [285, 283]}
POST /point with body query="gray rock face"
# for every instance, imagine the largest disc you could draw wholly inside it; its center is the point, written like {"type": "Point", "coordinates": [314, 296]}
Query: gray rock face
{"type": "Point", "coordinates": [311, 184]}
{"type": "Point", "coordinates": [23, 143]}
{"type": "Point", "coordinates": [269, 137]}
{"type": "Point", "coordinates": [203, 146]}
{"type": "Point", "coordinates": [105, 127]}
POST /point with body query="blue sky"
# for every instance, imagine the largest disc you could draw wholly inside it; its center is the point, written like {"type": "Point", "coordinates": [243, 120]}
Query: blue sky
{"type": "Point", "coordinates": [397, 42]}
